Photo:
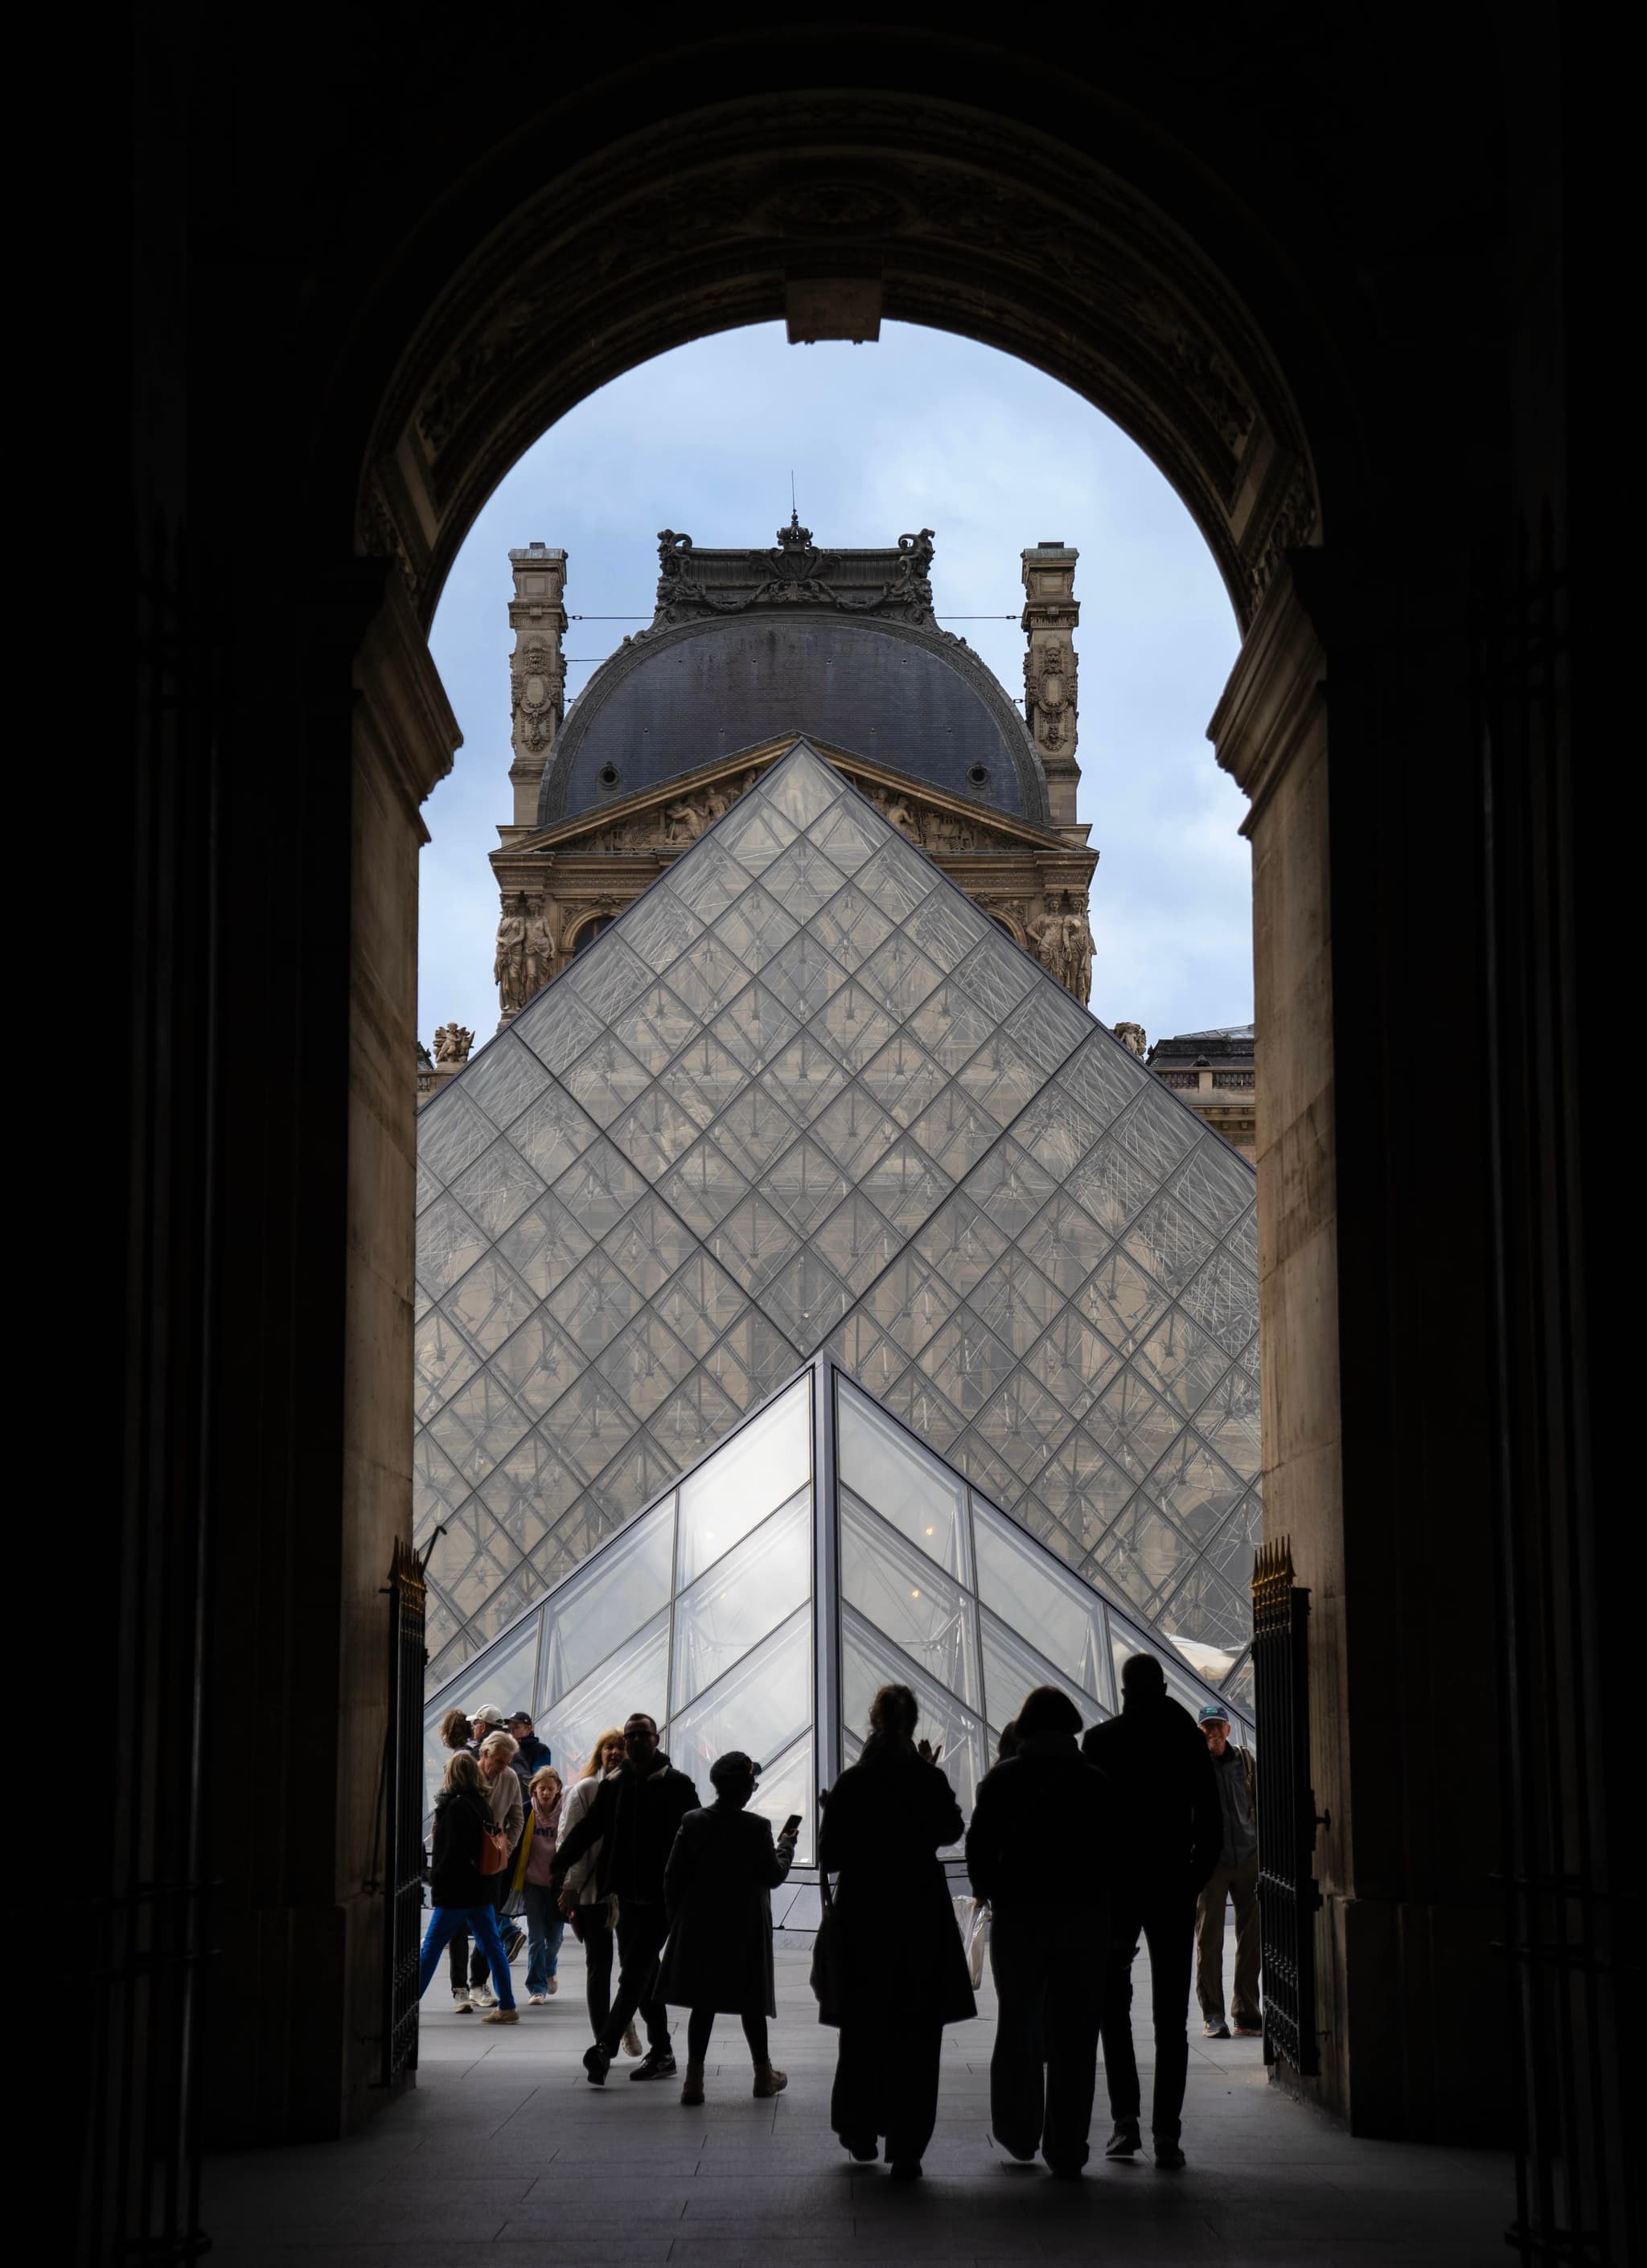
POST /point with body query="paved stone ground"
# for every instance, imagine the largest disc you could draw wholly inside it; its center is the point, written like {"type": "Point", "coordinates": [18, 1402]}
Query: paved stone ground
{"type": "Point", "coordinates": [504, 2152]}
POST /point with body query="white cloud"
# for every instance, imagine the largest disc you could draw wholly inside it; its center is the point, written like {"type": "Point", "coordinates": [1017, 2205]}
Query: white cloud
{"type": "Point", "coordinates": [924, 430]}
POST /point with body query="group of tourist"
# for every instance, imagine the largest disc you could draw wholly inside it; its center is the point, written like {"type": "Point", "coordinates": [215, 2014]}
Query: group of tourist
{"type": "Point", "coordinates": [1080, 1846]}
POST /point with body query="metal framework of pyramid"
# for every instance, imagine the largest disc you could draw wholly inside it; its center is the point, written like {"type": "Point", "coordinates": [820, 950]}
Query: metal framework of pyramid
{"type": "Point", "coordinates": [820, 1551]}
{"type": "Point", "coordinates": [804, 1095]}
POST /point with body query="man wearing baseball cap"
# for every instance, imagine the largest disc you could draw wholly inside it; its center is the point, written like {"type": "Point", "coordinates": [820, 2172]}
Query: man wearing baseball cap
{"type": "Point", "coordinates": [1234, 1877]}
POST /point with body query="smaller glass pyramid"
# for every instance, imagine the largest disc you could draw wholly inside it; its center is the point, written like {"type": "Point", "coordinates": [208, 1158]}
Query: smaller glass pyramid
{"type": "Point", "coordinates": [821, 1550]}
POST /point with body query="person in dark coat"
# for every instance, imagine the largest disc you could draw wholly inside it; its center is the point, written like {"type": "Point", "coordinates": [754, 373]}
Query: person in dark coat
{"type": "Point", "coordinates": [634, 1818]}
{"type": "Point", "coordinates": [1172, 1829]}
{"type": "Point", "coordinates": [717, 1890]}
{"type": "Point", "coordinates": [903, 1966]}
{"type": "Point", "coordinates": [464, 1898]}
{"type": "Point", "coordinates": [1041, 1848]}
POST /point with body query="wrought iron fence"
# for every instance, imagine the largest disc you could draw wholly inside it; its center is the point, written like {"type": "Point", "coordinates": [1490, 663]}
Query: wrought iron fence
{"type": "Point", "coordinates": [1288, 1898]}
{"type": "Point", "coordinates": [402, 1920]}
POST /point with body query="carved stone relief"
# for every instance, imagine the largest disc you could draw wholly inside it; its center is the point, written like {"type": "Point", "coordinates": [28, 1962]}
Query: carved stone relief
{"type": "Point", "coordinates": [452, 1045]}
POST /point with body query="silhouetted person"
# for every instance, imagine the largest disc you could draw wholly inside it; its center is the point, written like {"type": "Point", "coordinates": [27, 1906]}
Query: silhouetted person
{"type": "Point", "coordinates": [1041, 1850]}
{"type": "Point", "coordinates": [1233, 1879]}
{"type": "Point", "coordinates": [1007, 1742]}
{"type": "Point", "coordinates": [634, 1816]}
{"type": "Point", "coordinates": [717, 1888]}
{"type": "Point", "coordinates": [903, 1968]}
{"type": "Point", "coordinates": [1161, 1777]}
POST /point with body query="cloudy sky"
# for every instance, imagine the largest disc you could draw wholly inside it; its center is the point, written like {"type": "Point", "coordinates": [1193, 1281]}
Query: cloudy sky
{"type": "Point", "coordinates": [920, 431]}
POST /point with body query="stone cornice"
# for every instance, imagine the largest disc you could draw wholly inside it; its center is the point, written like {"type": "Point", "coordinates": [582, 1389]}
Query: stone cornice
{"type": "Point", "coordinates": [401, 705]}
{"type": "Point", "coordinates": [1276, 692]}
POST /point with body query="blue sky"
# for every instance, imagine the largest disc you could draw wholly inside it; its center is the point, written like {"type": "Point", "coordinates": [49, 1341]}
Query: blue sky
{"type": "Point", "coordinates": [920, 431]}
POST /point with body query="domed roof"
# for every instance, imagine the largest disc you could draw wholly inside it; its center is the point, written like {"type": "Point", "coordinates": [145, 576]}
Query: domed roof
{"type": "Point", "coordinates": [751, 647]}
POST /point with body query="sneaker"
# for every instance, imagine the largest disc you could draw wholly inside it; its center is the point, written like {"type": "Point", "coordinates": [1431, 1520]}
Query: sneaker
{"type": "Point", "coordinates": [906, 2169]}
{"type": "Point", "coordinates": [1215, 2028]}
{"type": "Point", "coordinates": [597, 2063]}
{"type": "Point", "coordinates": [501, 2016]}
{"type": "Point", "coordinates": [658, 2063]}
{"type": "Point", "coordinates": [864, 2147]}
{"type": "Point", "coordinates": [693, 2090]}
{"type": "Point", "coordinates": [1169, 2157]}
{"type": "Point", "coordinates": [768, 2080]}
{"type": "Point", "coordinates": [514, 1945]}
{"type": "Point", "coordinates": [1254, 2031]}
{"type": "Point", "coordinates": [631, 2042]}
{"type": "Point", "coordinates": [461, 2004]}
{"type": "Point", "coordinates": [1126, 2141]}
{"type": "Point", "coordinates": [538, 1999]}
{"type": "Point", "coordinates": [483, 1996]}
{"type": "Point", "coordinates": [552, 1986]}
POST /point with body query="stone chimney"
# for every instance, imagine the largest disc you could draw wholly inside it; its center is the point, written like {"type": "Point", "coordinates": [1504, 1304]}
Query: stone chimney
{"type": "Point", "coordinates": [537, 675]}
{"type": "Point", "coordinates": [1051, 611]}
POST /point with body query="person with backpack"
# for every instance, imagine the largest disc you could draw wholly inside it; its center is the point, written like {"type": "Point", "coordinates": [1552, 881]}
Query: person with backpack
{"type": "Point", "coordinates": [1234, 1879]}
{"type": "Point", "coordinates": [716, 1895]}
{"type": "Point", "coordinates": [466, 1838]}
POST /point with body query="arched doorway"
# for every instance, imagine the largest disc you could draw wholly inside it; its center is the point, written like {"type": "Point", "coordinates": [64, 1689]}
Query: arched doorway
{"type": "Point", "coordinates": [1146, 243]}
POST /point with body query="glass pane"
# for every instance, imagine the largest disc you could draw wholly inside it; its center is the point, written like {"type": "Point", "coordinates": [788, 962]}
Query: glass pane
{"type": "Point", "coordinates": [1056, 1612]}
{"type": "Point", "coordinates": [760, 1468]}
{"type": "Point", "coordinates": [553, 1133]}
{"type": "Point", "coordinates": [762, 1706]}
{"type": "Point", "coordinates": [786, 1786]}
{"type": "Point", "coordinates": [505, 1077]}
{"type": "Point", "coordinates": [804, 976]}
{"type": "Point", "coordinates": [1013, 1668]}
{"type": "Point", "coordinates": [807, 1298]}
{"type": "Point", "coordinates": [867, 1663]}
{"type": "Point", "coordinates": [901, 1481]}
{"type": "Point", "coordinates": [742, 1599]}
{"type": "Point", "coordinates": [654, 1132]}
{"type": "Point", "coordinates": [909, 1601]}
{"type": "Point", "coordinates": [606, 1603]}
{"type": "Point", "coordinates": [635, 1677]}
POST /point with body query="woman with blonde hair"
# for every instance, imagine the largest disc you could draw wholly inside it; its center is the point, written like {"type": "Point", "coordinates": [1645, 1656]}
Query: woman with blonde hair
{"type": "Point", "coordinates": [463, 1896]}
{"type": "Point", "coordinates": [545, 1924]}
{"type": "Point", "coordinates": [590, 1923]}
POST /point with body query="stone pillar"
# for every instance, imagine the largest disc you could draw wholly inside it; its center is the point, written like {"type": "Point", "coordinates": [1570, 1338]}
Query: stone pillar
{"type": "Point", "coordinates": [1051, 611]}
{"type": "Point", "coordinates": [537, 675]}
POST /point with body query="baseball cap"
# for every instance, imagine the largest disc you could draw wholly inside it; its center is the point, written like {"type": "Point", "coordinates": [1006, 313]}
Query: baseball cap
{"type": "Point", "coordinates": [520, 1717]}
{"type": "Point", "coordinates": [485, 1715]}
{"type": "Point", "coordinates": [1213, 1714]}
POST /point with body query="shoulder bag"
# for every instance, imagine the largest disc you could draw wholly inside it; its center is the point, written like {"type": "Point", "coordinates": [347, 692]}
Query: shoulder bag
{"type": "Point", "coordinates": [829, 1957]}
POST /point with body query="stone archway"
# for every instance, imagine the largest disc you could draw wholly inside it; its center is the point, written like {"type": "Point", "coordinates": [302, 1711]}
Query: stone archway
{"type": "Point", "coordinates": [374, 315]}
{"type": "Point", "coordinates": [837, 212]}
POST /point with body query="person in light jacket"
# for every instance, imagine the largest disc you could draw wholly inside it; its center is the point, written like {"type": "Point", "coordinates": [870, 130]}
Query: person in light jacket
{"type": "Point", "coordinates": [545, 1924]}
{"type": "Point", "coordinates": [463, 1896]}
{"type": "Point", "coordinates": [580, 1901]}
{"type": "Point", "coordinates": [500, 1784]}
{"type": "Point", "coordinates": [904, 1974]}
{"type": "Point", "coordinates": [718, 1882]}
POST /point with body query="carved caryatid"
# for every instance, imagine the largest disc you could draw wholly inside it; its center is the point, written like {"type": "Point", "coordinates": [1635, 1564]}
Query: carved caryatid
{"type": "Point", "coordinates": [452, 1045]}
{"type": "Point", "coordinates": [1078, 946]}
{"type": "Point", "coordinates": [509, 970]}
{"type": "Point", "coordinates": [1048, 942]}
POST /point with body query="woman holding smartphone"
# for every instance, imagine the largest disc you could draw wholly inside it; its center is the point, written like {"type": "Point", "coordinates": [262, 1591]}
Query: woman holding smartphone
{"type": "Point", "coordinates": [717, 1893]}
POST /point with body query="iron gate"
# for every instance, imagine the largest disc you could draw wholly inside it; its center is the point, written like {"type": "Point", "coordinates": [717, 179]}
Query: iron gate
{"type": "Point", "coordinates": [1288, 1899]}
{"type": "Point", "coordinates": [402, 1918]}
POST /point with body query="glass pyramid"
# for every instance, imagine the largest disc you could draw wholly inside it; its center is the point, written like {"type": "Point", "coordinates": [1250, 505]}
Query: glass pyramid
{"type": "Point", "coordinates": [820, 1551]}
{"type": "Point", "coordinates": [804, 1094]}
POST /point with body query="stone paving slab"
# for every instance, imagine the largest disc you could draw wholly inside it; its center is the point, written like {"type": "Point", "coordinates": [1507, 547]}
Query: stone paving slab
{"type": "Point", "coordinates": [504, 2152]}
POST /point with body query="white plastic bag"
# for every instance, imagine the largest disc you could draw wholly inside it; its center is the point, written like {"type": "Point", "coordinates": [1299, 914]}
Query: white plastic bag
{"type": "Point", "coordinates": [971, 1915]}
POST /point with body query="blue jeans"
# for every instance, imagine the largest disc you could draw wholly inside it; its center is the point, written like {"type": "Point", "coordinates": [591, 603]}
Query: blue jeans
{"type": "Point", "coordinates": [482, 1922]}
{"type": "Point", "coordinates": [545, 1926]}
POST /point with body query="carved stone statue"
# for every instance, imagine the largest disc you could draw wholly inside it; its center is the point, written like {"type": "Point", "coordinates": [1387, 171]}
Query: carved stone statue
{"type": "Point", "coordinates": [897, 814]}
{"type": "Point", "coordinates": [1078, 944]}
{"type": "Point", "coordinates": [452, 1045]}
{"type": "Point", "coordinates": [509, 963]}
{"type": "Point", "coordinates": [1131, 1036]}
{"type": "Point", "coordinates": [1047, 937]}
{"type": "Point", "coordinates": [539, 953]}
{"type": "Point", "coordinates": [683, 821]}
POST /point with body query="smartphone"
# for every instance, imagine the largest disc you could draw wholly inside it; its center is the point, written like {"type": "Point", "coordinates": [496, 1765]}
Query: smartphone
{"type": "Point", "coordinates": [791, 1825]}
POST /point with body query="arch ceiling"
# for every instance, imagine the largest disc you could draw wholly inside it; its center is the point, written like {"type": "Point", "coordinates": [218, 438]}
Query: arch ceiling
{"type": "Point", "coordinates": [933, 213]}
